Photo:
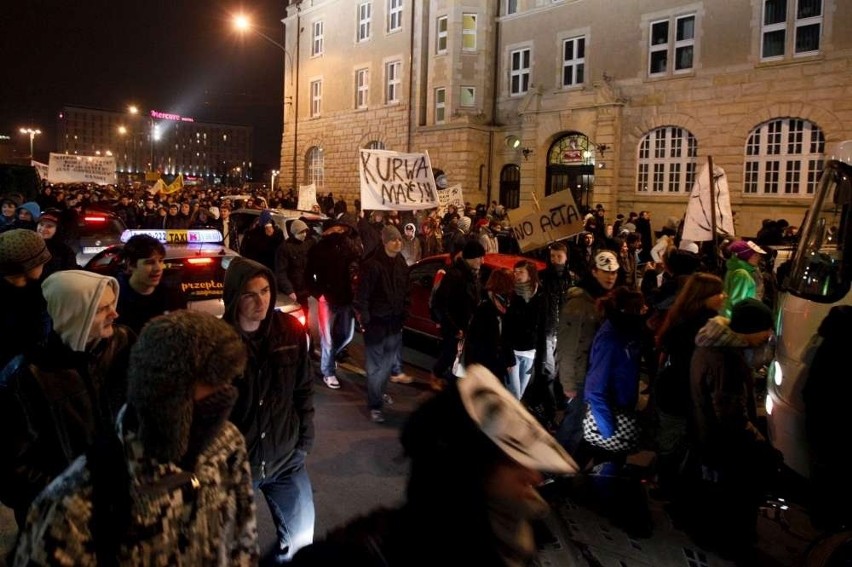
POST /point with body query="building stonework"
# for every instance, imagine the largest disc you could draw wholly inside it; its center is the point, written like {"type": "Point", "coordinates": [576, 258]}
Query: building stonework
{"type": "Point", "coordinates": [720, 91]}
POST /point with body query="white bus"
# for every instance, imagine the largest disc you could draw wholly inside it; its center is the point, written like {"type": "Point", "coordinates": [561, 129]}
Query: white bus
{"type": "Point", "coordinates": [818, 277]}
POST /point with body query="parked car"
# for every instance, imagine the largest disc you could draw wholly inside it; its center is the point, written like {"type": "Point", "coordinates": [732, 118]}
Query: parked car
{"type": "Point", "coordinates": [195, 265]}
{"type": "Point", "coordinates": [95, 232]}
{"type": "Point", "coordinates": [421, 276]}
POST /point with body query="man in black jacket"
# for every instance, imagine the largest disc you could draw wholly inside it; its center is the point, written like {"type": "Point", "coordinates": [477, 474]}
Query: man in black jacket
{"type": "Point", "coordinates": [275, 407]}
{"type": "Point", "coordinates": [455, 300]}
{"type": "Point", "coordinates": [381, 306]}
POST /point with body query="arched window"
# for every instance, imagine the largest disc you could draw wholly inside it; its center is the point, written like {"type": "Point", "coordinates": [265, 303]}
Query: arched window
{"type": "Point", "coordinates": [315, 167]}
{"type": "Point", "coordinates": [375, 145]}
{"type": "Point", "coordinates": [666, 161]}
{"type": "Point", "coordinates": [510, 186]}
{"type": "Point", "coordinates": [783, 156]}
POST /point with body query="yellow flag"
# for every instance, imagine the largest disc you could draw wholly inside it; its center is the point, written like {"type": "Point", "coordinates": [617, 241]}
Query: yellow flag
{"type": "Point", "coordinates": [175, 185]}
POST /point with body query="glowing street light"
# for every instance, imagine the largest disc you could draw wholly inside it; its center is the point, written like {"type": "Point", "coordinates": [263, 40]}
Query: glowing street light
{"type": "Point", "coordinates": [32, 134]}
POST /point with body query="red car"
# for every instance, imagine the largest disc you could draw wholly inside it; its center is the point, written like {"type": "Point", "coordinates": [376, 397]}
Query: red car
{"type": "Point", "coordinates": [421, 276]}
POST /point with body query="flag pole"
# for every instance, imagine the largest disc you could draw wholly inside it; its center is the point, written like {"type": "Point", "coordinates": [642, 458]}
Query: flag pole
{"type": "Point", "coordinates": [713, 209]}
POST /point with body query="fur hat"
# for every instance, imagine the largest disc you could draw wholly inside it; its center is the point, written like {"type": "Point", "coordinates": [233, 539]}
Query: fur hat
{"type": "Point", "coordinates": [473, 249]}
{"type": "Point", "coordinates": [744, 249]}
{"type": "Point", "coordinates": [750, 316]}
{"type": "Point", "coordinates": [173, 353]}
{"type": "Point", "coordinates": [390, 232]}
{"type": "Point", "coordinates": [464, 224]}
{"type": "Point", "coordinates": [21, 250]}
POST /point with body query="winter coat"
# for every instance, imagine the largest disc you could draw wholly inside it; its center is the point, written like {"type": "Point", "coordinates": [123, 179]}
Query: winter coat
{"type": "Point", "coordinates": [457, 296]}
{"type": "Point", "coordinates": [53, 403]}
{"type": "Point", "coordinates": [24, 322]}
{"type": "Point", "coordinates": [62, 257]}
{"type": "Point", "coordinates": [487, 343]}
{"type": "Point", "coordinates": [525, 320]}
{"type": "Point", "coordinates": [257, 246]}
{"type": "Point", "coordinates": [332, 269]}
{"type": "Point", "coordinates": [578, 322]}
{"type": "Point", "coordinates": [612, 381]}
{"type": "Point", "coordinates": [291, 263]}
{"type": "Point", "coordinates": [554, 286]}
{"type": "Point", "coordinates": [383, 291]}
{"type": "Point", "coordinates": [200, 517]}
{"type": "Point", "coordinates": [275, 408]}
{"type": "Point", "coordinates": [740, 283]}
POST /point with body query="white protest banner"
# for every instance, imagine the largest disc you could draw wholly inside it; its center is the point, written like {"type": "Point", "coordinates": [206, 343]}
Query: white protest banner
{"type": "Point", "coordinates": [65, 168]}
{"type": "Point", "coordinates": [41, 168]}
{"type": "Point", "coordinates": [450, 196]}
{"type": "Point", "coordinates": [396, 181]}
{"type": "Point", "coordinates": [698, 226]}
{"type": "Point", "coordinates": [553, 218]}
{"type": "Point", "coordinates": [307, 197]}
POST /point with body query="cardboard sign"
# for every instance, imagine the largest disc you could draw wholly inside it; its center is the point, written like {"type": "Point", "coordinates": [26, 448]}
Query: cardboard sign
{"type": "Point", "coordinates": [450, 196]}
{"type": "Point", "coordinates": [66, 168]}
{"type": "Point", "coordinates": [396, 181]}
{"type": "Point", "coordinates": [553, 218]}
{"type": "Point", "coordinates": [307, 197]}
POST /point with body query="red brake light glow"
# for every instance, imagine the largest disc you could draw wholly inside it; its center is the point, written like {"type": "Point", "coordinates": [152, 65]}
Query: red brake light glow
{"type": "Point", "coordinates": [95, 219]}
{"type": "Point", "coordinates": [199, 261]}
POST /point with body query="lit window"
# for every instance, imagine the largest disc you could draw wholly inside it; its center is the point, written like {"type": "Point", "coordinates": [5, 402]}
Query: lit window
{"type": "Point", "coordinates": [317, 42]}
{"type": "Point", "coordinates": [441, 39]}
{"type": "Point", "coordinates": [666, 161]}
{"type": "Point", "coordinates": [468, 32]}
{"type": "Point", "coordinates": [511, 6]}
{"type": "Point", "coordinates": [316, 167]}
{"type": "Point", "coordinates": [519, 74]}
{"type": "Point", "coordinates": [440, 105]}
{"type": "Point", "coordinates": [365, 10]}
{"type": "Point", "coordinates": [800, 20]}
{"type": "Point", "coordinates": [573, 61]}
{"type": "Point", "coordinates": [316, 98]}
{"type": "Point", "coordinates": [393, 71]}
{"type": "Point", "coordinates": [468, 96]}
{"type": "Point", "coordinates": [783, 156]}
{"type": "Point", "coordinates": [671, 39]}
{"type": "Point", "coordinates": [362, 88]}
{"type": "Point", "coordinates": [394, 15]}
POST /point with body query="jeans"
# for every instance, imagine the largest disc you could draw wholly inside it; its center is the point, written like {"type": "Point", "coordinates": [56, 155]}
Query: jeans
{"type": "Point", "coordinates": [291, 503]}
{"type": "Point", "coordinates": [336, 328]}
{"type": "Point", "coordinates": [396, 368]}
{"type": "Point", "coordinates": [381, 345]}
{"type": "Point", "coordinates": [570, 432]}
{"type": "Point", "coordinates": [519, 374]}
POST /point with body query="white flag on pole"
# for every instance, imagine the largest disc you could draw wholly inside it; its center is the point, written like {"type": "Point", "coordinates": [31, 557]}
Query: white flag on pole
{"type": "Point", "coordinates": [698, 226]}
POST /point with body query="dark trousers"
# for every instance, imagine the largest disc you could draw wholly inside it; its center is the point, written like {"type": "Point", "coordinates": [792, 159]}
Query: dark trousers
{"type": "Point", "coordinates": [443, 367]}
{"type": "Point", "coordinates": [382, 343]}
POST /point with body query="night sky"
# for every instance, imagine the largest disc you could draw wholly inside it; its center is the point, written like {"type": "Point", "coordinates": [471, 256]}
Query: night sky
{"type": "Point", "coordinates": [178, 56]}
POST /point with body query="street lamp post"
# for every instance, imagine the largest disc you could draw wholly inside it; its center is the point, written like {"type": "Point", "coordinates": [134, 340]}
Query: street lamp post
{"type": "Point", "coordinates": [32, 134]}
{"type": "Point", "coordinates": [243, 24]}
{"type": "Point", "coordinates": [151, 134]}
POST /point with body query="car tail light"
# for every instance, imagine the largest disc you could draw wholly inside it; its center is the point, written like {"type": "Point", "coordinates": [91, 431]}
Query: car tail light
{"type": "Point", "coordinates": [199, 261]}
{"type": "Point", "coordinates": [89, 218]}
{"type": "Point", "coordinates": [301, 318]}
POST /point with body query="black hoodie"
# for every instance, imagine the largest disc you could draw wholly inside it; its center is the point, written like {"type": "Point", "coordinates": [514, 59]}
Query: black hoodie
{"type": "Point", "coordinates": [277, 374]}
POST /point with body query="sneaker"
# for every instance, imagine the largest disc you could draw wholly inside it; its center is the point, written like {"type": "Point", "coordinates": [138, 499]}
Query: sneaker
{"type": "Point", "coordinates": [376, 416]}
{"type": "Point", "coordinates": [387, 399]}
{"type": "Point", "coordinates": [331, 382]}
{"type": "Point", "coordinates": [401, 378]}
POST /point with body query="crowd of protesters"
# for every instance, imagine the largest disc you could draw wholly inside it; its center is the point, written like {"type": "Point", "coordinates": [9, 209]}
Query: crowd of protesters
{"type": "Point", "coordinates": [619, 310]}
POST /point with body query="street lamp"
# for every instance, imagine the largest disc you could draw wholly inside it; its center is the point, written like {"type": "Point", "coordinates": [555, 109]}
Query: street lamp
{"type": "Point", "coordinates": [275, 173]}
{"type": "Point", "coordinates": [32, 133]}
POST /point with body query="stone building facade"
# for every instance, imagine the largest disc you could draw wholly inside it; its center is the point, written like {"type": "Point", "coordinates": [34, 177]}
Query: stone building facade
{"type": "Point", "coordinates": [619, 102]}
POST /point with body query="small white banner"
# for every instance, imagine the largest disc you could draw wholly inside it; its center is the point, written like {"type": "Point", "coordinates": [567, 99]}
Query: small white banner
{"type": "Point", "coordinates": [450, 196]}
{"type": "Point", "coordinates": [65, 168]}
{"type": "Point", "coordinates": [553, 218]}
{"type": "Point", "coordinates": [307, 197]}
{"type": "Point", "coordinates": [396, 181]}
{"type": "Point", "coordinates": [698, 226]}
{"type": "Point", "coordinates": [41, 168]}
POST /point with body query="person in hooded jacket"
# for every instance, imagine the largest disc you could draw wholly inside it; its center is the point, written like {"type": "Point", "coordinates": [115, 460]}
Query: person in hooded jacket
{"type": "Point", "coordinates": [62, 257]}
{"type": "Point", "coordinates": [291, 263]}
{"type": "Point", "coordinates": [275, 408]}
{"type": "Point", "coordinates": [57, 399]}
{"type": "Point", "coordinates": [261, 241]}
{"type": "Point", "coordinates": [26, 216]}
{"type": "Point", "coordinates": [10, 204]}
{"type": "Point", "coordinates": [171, 486]}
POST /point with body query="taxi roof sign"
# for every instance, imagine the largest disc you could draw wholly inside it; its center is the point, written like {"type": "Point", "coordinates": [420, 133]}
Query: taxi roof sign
{"type": "Point", "coordinates": [176, 236]}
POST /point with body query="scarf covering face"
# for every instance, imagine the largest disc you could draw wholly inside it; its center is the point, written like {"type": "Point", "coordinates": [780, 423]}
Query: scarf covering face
{"type": "Point", "coordinates": [525, 290]}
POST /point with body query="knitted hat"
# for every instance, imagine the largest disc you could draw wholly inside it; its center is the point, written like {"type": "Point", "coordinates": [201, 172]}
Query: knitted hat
{"type": "Point", "coordinates": [298, 226]}
{"type": "Point", "coordinates": [266, 218]}
{"type": "Point", "coordinates": [173, 353]}
{"type": "Point", "coordinates": [21, 250]}
{"type": "Point", "coordinates": [473, 249]}
{"type": "Point", "coordinates": [390, 232]}
{"type": "Point", "coordinates": [750, 316]}
{"type": "Point", "coordinates": [464, 224]}
{"type": "Point", "coordinates": [743, 249]}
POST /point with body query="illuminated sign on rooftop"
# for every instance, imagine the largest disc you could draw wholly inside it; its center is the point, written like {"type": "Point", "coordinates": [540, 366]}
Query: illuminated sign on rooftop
{"type": "Point", "coordinates": [168, 116]}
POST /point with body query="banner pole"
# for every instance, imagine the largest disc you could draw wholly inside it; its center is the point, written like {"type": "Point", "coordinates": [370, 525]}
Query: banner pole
{"type": "Point", "coordinates": [713, 208]}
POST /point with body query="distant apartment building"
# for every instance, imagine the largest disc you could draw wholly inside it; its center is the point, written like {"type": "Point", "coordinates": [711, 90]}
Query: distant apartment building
{"type": "Point", "coordinates": [157, 141]}
{"type": "Point", "coordinates": [619, 102]}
